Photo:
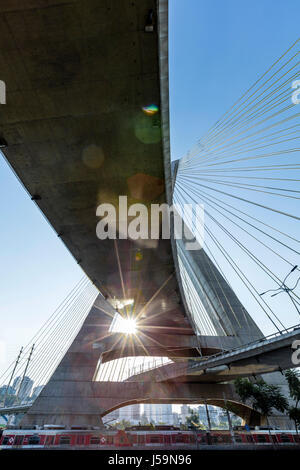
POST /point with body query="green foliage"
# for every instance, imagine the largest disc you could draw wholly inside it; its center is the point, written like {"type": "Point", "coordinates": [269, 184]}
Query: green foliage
{"type": "Point", "coordinates": [121, 424]}
{"type": "Point", "coordinates": [293, 380]}
{"type": "Point", "coordinates": [236, 420]}
{"type": "Point", "coordinates": [263, 396]}
{"type": "Point", "coordinates": [192, 420]}
{"type": "Point", "coordinates": [244, 388]}
{"type": "Point", "coordinates": [294, 414]}
{"type": "Point", "coordinates": [223, 425]}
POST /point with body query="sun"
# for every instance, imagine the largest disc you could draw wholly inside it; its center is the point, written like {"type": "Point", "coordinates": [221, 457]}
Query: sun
{"type": "Point", "coordinates": [128, 326]}
{"type": "Point", "coordinates": [123, 325]}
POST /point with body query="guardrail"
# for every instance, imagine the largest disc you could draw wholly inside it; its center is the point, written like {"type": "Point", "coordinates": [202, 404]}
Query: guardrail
{"type": "Point", "coordinates": [252, 343]}
{"type": "Point", "coordinates": [147, 367]}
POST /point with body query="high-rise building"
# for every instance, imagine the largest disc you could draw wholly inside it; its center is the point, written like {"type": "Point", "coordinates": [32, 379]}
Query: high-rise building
{"type": "Point", "coordinates": [214, 415]}
{"type": "Point", "coordinates": [144, 420]}
{"type": "Point", "coordinates": [16, 383]}
{"type": "Point", "coordinates": [159, 413]}
{"type": "Point", "coordinates": [149, 413]}
{"type": "Point", "coordinates": [7, 395]}
{"type": "Point", "coordinates": [166, 414]}
{"type": "Point", "coordinates": [136, 412]}
{"type": "Point", "coordinates": [202, 415]}
{"type": "Point", "coordinates": [184, 412]}
{"type": "Point", "coordinates": [5, 390]}
{"type": "Point", "coordinates": [175, 419]}
{"type": "Point", "coordinates": [23, 386]}
{"type": "Point", "coordinates": [130, 413]}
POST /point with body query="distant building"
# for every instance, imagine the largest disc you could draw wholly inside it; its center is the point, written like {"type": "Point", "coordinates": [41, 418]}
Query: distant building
{"type": "Point", "coordinates": [175, 419]}
{"type": "Point", "coordinates": [144, 420]}
{"type": "Point", "coordinates": [218, 416]}
{"type": "Point", "coordinates": [10, 391]}
{"type": "Point", "coordinates": [202, 415]}
{"type": "Point", "coordinates": [166, 415]}
{"type": "Point", "coordinates": [136, 411]}
{"type": "Point", "coordinates": [184, 412]}
{"type": "Point", "coordinates": [16, 383]}
{"type": "Point", "coordinates": [23, 387]}
{"type": "Point", "coordinates": [130, 413]}
{"type": "Point", "coordinates": [159, 413]}
{"type": "Point", "coordinates": [214, 414]}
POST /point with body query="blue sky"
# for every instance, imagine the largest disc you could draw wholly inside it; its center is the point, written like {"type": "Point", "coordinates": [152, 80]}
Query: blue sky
{"type": "Point", "coordinates": [36, 269]}
{"type": "Point", "coordinates": [217, 50]}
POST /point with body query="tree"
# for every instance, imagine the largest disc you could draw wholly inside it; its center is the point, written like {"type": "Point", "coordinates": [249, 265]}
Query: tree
{"type": "Point", "coordinates": [294, 415]}
{"type": "Point", "coordinates": [293, 381]}
{"type": "Point", "coordinates": [193, 421]}
{"type": "Point", "coordinates": [121, 424]}
{"type": "Point", "coordinates": [264, 397]}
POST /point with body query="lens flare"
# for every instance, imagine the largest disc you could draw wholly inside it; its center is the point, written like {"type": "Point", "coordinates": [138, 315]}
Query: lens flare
{"type": "Point", "coordinates": [123, 325]}
{"type": "Point", "coordinates": [139, 256]}
{"type": "Point", "coordinates": [150, 110]}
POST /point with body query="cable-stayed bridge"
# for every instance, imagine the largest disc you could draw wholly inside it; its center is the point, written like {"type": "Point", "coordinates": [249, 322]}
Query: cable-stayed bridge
{"type": "Point", "coordinates": [88, 122]}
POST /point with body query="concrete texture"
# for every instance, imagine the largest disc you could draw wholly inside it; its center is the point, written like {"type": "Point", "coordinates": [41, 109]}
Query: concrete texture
{"type": "Point", "coordinates": [225, 310]}
{"type": "Point", "coordinates": [86, 402]}
{"type": "Point", "coordinates": [78, 75]}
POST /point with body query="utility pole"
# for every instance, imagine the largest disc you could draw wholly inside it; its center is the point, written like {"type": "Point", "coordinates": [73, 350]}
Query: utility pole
{"type": "Point", "coordinates": [12, 375]}
{"type": "Point", "coordinates": [230, 426]}
{"type": "Point", "coordinates": [24, 373]}
{"type": "Point", "coordinates": [17, 394]}
{"type": "Point", "coordinates": [207, 416]}
{"type": "Point", "coordinates": [208, 433]}
{"type": "Point", "coordinates": [229, 421]}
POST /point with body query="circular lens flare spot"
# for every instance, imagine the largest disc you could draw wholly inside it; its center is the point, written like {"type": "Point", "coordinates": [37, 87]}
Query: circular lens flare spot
{"type": "Point", "coordinates": [93, 156]}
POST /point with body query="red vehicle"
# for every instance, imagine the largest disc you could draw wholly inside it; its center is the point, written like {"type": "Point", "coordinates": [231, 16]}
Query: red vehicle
{"type": "Point", "coordinates": [163, 437]}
